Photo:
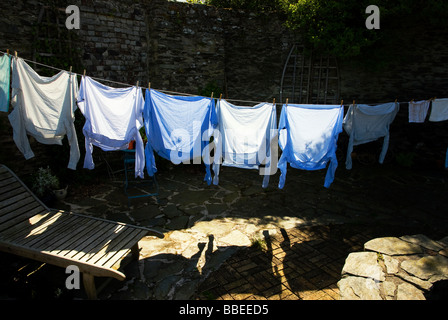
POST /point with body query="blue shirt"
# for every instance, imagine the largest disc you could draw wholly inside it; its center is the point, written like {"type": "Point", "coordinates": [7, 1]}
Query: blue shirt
{"type": "Point", "coordinates": [178, 128]}
{"type": "Point", "coordinates": [308, 137]}
{"type": "Point", "coordinates": [5, 76]}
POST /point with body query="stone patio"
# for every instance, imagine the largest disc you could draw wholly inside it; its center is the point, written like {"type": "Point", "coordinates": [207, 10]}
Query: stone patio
{"type": "Point", "coordinates": [239, 241]}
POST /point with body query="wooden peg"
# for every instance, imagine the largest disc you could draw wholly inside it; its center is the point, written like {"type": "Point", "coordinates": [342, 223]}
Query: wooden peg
{"type": "Point", "coordinates": [273, 102]}
{"type": "Point", "coordinates": [220, 96]}
{"type": "Point", "coordinates": [70, 69]}
{"type": "Point", "coordinates": [149, 85]}
{"type": "Point", "coordinates": [84, 74]}
{"type": "Point", "coordinates": [286, 101]}
{"type": "Point", "coordinates": [342, 102]}
{"type": "Point", "coordinates": [353, 102]}
{"type": "Point", "coordinates": [212, 96]}
{"type": "Point", "coordinates": [137, 84]}
{"type": "Point", "coordinates": [7, 51]}
{"type": "Point", "coordinates": [15, 53]}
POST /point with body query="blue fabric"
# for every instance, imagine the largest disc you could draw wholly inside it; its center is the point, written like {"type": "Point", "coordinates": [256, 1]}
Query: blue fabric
{"type": "Point", "coordinates": [5, 76]}
{"type": "Point", "coordinates": [178, 128]}
{"type": "Point", "coordinates": [446, 159]}
{"type": "Point", "coordinates": [308, 137]}
{"type": "Point", "coordinates": [244, 138]}
{"type": "Point", "coordinates": [365, 123]}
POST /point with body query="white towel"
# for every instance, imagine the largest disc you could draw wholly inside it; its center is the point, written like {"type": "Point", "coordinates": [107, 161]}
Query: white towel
{"type": "Point", "coordinates": [418, 111]}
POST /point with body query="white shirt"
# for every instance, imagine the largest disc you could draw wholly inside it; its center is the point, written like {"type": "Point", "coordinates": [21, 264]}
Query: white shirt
{"type": "Point", "coordinates": [245, 135]}
{"type": "Point", "coordinates": [113, 119]}
{"type": "Point", "coordinates": [43, 108]}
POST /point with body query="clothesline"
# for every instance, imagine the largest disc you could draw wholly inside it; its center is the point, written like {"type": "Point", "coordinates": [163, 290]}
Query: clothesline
{"type": "Point", "coordinates": [173, 92]}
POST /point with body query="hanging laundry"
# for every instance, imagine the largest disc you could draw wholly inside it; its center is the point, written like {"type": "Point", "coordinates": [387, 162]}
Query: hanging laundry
{"type": "Point", "coordinates": [5, 77]}
{"type": "Point", "coordinates": [439, 110]}
{"type": "Point", "coordinates": [178, 128]}
{"type": "Point", "coordinates": [113, 120]}
{"type": "Point", "coordinates": [244, 137]}
{"type": "Point", "coordinates": [365, 123]}
{"type": "Point", "coordinates": [308, 137]}
{"type": "Point", "coordinates": [418, 111]}
{"type": "Point", "coordinates": [43, 108]}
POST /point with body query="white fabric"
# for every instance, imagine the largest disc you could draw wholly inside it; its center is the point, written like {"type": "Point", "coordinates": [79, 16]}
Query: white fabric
{"type": "Point", "coordinates": [43, 108]}
{"type": "Point", "coordinates": [113, 120]}
{"type": "Point", "coordinates": [245, 137]}
{"type": "Point", "coordinates": [439, 110]}
{"type": "Point", "coordinates": [418, 111]}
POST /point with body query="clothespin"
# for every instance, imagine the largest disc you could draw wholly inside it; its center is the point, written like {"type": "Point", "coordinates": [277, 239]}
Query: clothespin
{"type": "Point", "coordinates": [286, 101]}
{"type": "Point", "coordinates": [212, 96]}
{"type": "Point", "coordinates": [149, 85]}
{"type": "Point", "coordinates": [137, 84]}
{"type": "Point", "coordinates": [342, 102]}
{"type": "Point", "coordinates": [353, 102]}
{"type": "Point", "coordinates": [220, 96]}
{"type": "Point", "coordinates": [84, 74]}
{"type": "Point", "coordinates": [70, 69]}
{"type": "Point", "coordinates": [273, 102]}
{"type": "Point", "coordinates": [7, 52]}
{"type": "Point", "coordinates": [15, 53]}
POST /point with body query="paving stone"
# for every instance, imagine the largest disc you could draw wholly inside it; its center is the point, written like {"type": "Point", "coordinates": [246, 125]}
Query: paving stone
{"type": "Point", "coordinates": [423, 241]}
{"type": "Point", "coordinates": [407, 291]}
{"type": "Point", "coordinates": [392, 246]}
{"type": "Point", "coordinates": [364, 264]}
{"type": "Point", "coordinates": [426, 267]}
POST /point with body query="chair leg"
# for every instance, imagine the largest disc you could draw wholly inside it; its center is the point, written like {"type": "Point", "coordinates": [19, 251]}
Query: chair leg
{"type": "Point", "coordinates": [89, 285]}
{"type": "Point", "coordinates": [135, 251]}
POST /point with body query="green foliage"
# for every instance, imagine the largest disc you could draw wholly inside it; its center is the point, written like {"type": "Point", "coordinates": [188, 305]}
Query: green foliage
{"type": "Point", "coordinates": [44, 182]}
{"type": "Point", "coordinates": [338, 27]}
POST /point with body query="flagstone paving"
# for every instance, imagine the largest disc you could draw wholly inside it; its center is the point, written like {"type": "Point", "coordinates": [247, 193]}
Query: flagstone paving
{"type": "Point", "coordinates": [239, 241]}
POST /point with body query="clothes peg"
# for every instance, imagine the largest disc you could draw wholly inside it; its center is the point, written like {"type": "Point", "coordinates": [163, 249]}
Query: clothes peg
{"type": "Point", "coordinates": [149, 85]}
{"type": "Point", "coordinates": [353, 102]}
{"type": "Point", "coordinates": [286, 101]}
{"type": "Point", "coordinates": [70, 69]}
{"type": "Point", "coordinates": [7, 52]}
{"type": "Point", "coordinates": [212, 96]}
{"type": "Point", "coordinates": [220, 96]}
{"type": "Point", "coordinates": [273, 102]}
{"type": "Point", "coordinates": [342, 102]}
{"type": "Point", "coordinates": [84, 74]}
{"type": "Point", "coordinates": [137, 84]}
{"type": "Point", "coordinates": [15, 53]}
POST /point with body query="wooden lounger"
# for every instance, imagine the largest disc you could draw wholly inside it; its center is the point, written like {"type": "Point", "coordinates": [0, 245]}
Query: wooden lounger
{"type": "Point", "coordinates": [30, 229]}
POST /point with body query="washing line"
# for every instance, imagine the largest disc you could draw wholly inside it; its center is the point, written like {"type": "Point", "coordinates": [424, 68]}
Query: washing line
{"type": "Point", "coordinates": [167, 91]}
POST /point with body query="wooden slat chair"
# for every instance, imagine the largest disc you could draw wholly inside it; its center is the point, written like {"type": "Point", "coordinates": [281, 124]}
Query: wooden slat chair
{"type": "Point", "coordinates": [30, 229]}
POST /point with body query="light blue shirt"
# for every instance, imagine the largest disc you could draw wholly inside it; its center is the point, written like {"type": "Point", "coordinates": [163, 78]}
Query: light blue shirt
{"type": "Point", "coordinates": [5, 77]}
{"type": "Point", "coordinates": [308, 137]}
{"type": "Point", "coordinates": [178, 128]}
{"type": "Point", "coordinates": [365, 123]}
